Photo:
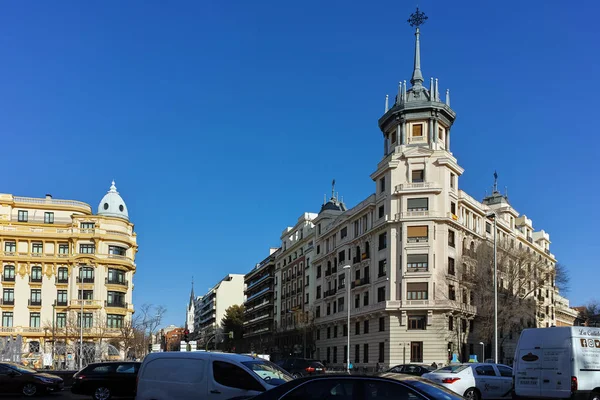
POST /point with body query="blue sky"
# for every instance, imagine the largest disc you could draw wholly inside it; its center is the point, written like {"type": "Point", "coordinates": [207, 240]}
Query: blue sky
{"type": "Point", "coordinates": [223, 121]}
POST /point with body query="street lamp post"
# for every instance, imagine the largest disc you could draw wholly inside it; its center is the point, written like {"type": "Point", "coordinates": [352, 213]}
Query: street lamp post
{"type": "Point", "coordinates": [81, 320]}
{"type": "Point", "coordinates": [493, 215]}
{"type": "Point", "coordinates": [482, 351]}
{"type": "Point", "coordinates": [53, 331]}
{"type": "Point", "coordinates": [347, 267]}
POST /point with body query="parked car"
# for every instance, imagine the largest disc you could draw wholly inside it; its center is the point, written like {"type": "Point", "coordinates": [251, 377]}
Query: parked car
{"type": "Point", "coordinates": [558, 362]}
{"type": "Point", "coordinates": [104, 380]}
{"type": "Point", "coordinates": [411, 369]}
{"type": "Point", "coordinates": [16, 378]}
{"type": "Point", "coordinates": [387, 386]}
{"type": "Point", "coordinates": [298, 367]}
{"type": "Point", "coordinates": [206, 375]}
{"type": "Point", "coordinates": [475, 381]}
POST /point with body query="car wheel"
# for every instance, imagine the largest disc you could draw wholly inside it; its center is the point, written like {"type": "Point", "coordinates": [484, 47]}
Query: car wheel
{"type": "Point", "coordinates": [471, 394]}
{"type": "Point", "coordinates": [102, 393]}
{"type": "Point", "coordinates": [29, 389]}
{"type": "Point", "coordinates": [595, 396]}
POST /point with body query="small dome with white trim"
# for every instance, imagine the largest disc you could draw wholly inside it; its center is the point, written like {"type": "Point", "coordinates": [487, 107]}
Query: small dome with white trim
{"type": "Point", "coordinates": [112, 204]}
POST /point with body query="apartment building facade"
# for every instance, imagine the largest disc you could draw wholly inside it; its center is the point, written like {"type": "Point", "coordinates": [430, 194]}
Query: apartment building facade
{"type": "Point", "coordinates": [259, 305]}
{"type": "Point", "coordinates": [294, 317]}
{"type": "Point", "coordinates": [397, 259]}
{"type": "Point", "coordinates": [64, 266]}
{"type": "Point", "coordinates": [210, 308]}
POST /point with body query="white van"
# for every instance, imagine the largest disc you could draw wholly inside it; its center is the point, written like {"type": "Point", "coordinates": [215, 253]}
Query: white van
{"type": "Point", "coordinates": [558, 362]}
{"type": "Point", "coordinates": [205, 375]}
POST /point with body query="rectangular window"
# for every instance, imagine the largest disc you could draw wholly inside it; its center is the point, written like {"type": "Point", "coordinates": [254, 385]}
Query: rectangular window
{"type": "Point", "coordinates": [10, 247]}
{"type": "Point", "coordinates": [451, 323]}
{"type": "Point", "coordinates": [383, 241]}
{"type": "Point", "coordinates": [381, 212]}
{"type": "Point", "coordinates": [357, 328]}
{"type": "Point", "coordinates": [452, 180]}
{"type": "Point", "coordinates": [63, 248]}
{"type": "Point", "coordinates": [357, 301]}
{"type": "Point", "coordinates": [318, 312]}
{"type": "Point", "coordinates": [416, 352]}
{"type": "Point", "coordinates": [318, 292]}
{"type": "Point", "coordinates": [117, 250]}
{"type": "Point", "coordinates": [318, 332]}
{"type": "Point", "coordinates": [453, 208]}
{"type": "Point", "coordinates": [356, 353]}
{"type": "Point", "coordinates": [318, 271]}
{"type": "Point", "coordinates": [61, 320]}
{"type": "Point", "coordinates": [8, 273]}
{"type": "Point", "coordinates": [115, 299]}
{"type": "Point", "coordinates": [381, 294]}
{"type": "Point", "coordinates": [36, 297]}
{"type": "Point", "coordinates": [345, 330]}
{"type": "Point", "coordinates": [115, 276]}
{"type": "Point", "coordinates": [417, 234]}
{"type": "Point", "coordinates": [382, 267]}
{"type": "Point", "coordinates": [34, 320]}
{"type": "Point", "coordinates": [420, 204]}
{"type": "Point", "coordinates": [394, 136]}
{"type": "Point", "coordinates": [441, 133]}
{"type": "Point", "coordinates": [87, 225]}
{"type": "Point", "coordinates": [86, 274]}
{"type": "Point", "coordinates": [62, 275]}
{"type": "Point", "coordinates": [48, 217]}
{"type": "Point", "coordinates": [451, 238]}
{"type": "Point", "coordinates": [87, 294]}
{"type": "Point", "coordinates": [488, 227]}
{"type": "Point", "coordinates": [37, 247]}
{"type": "Point", "coordinates": [87, 248]}
{"type": "Point", "coordinates": [328, 355]}
{"type": "Point", "coordinates": [366, 327]}
{"type": "Point", "coordinates": [88, 320]}
{"type": "Point", "coordinates": [114, 321]}
{"type": "Point", "coordinates": [417, 261]}
{"type": "Point", "coordinates": [36, 274]}
{"type": "Point", "coordinates": [318, 249]}
{"type": "Point", "coordinates": [418, 176]}
{"type": "Point", "coordinates": [22, 216]}
{"type": "Point", "coordinates": [381, 352]}
{"type": "Point", "coordinates": [417, 291]}
{"type": "Point", "coordinates": [417, 322]}
{"type": "Point", "coordinates": [334, 331]}
{"type": "Point", "coordinates": [328, 332]}
{"type": "Point", "coordinates": [417, 130]}
{"type": "Point", "coordinates": [366, 299]}
{"type": "Point", "coordinates": [451, 270]}
{"type": "Point", "coordinates": [335, 354]}
{"type": "Point", "coordinates": [7, 319]}
{"type": "Point", "coordinates": [382, 185]}
{"type": "Point", "coordinates": [61, 298]}
{"type": "Point", "coordinates": [381, 324]}
{"type": "Point", "coordinates": [8, 297]}
{"type": "Point", "coordinates": [451, 292]}
{"type": "Point", "coordinates": [344, 232]}
{"type": "Point", "coordinates": [365, 353]}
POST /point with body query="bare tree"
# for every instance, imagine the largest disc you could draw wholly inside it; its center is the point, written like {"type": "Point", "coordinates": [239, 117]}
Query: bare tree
{"type": "Point", "coordinates": [523, 278]}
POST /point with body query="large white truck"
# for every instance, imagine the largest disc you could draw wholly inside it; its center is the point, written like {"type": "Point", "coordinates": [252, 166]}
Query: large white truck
{"type": "Point", "coordinates": [558, 362]}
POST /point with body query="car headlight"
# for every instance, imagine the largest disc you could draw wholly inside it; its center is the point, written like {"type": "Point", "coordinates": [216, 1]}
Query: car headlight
{"type": "Point", "coordinates": [45, 380]}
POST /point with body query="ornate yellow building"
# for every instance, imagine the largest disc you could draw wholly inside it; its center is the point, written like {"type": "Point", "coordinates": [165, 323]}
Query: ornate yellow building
{"type": "Point", "coordinates": [62, 264]}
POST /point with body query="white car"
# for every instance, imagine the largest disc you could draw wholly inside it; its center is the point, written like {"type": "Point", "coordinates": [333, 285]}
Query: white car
{"type": "Point", "coordinates": [475, 381]}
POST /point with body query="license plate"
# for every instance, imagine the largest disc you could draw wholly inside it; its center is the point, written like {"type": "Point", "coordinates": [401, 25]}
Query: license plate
{"type": "Point", "coordinates": [528, 382]}
{"type": "Point", "coordinates": [318, 369]}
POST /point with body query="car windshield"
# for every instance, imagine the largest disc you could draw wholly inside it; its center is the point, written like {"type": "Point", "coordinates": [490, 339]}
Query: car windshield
{"type": "Point", "coordinates": [451, 369]}
{"type": "Point", "coordinates": [434, 391]}
{"type": "Point", "coordinates": [22, 369]}
{"type": "Point", "coordinates": [269, 372]}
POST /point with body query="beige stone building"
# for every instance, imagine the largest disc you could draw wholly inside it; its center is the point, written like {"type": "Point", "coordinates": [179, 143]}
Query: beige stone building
{"type": "Point", "coordinates": [408, 247]}
{"type": "Point", "coordinates": [63, 265]}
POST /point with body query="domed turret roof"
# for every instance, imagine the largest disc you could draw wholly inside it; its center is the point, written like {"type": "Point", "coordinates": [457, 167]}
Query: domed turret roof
{"type": "Point", "coordinates": [112, 204]}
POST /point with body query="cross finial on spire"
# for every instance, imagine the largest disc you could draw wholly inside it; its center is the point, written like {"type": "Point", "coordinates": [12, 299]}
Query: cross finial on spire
{"type": "Point", "coordinates": [417, 19]}
{"type": "Point", "coordinates": [113, 187]}
{"type": "Point", "coordinates": [333, 189]}
{"type": "Point", "coordinates": [495, 182]}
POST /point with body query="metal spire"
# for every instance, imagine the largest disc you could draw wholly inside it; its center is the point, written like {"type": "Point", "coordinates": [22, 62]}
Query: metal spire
{"type": "Point", "coordinates": [495, 182]}
{"type": "Point", "coordinates": [333, 189]}
{"type": "Point", "coordinates": [417, 19]}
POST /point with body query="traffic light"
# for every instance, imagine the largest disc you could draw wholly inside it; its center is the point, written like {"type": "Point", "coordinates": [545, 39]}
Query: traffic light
{"type": "Point", "coordinates": [230, 335]}
{"type": "Point", "coordinates": [186, 335]}
{"type": "Point", "coordinates": [149, 347]}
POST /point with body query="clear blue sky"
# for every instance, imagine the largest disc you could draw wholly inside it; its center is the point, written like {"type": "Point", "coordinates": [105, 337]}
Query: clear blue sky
{"type": "Point", "coordinates": [223, 121]}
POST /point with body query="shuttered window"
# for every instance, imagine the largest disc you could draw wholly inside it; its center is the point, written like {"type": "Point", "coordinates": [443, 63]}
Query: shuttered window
{"type": "Point", "coordinates": [417, 261]}
{"type": "Point", "coordinates": [417, 130]}
{"type": "Point", "coordinates": [416, 291]}
{"type": "Point", "coordinates": [417, 234]}
{"type": "Point", "coordinates": [421, 204]}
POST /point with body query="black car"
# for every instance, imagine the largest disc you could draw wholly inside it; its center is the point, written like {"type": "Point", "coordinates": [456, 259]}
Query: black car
{"type": "Point", "coordinates": [411, 369]}
{"type": "Point", "coordinates": [298, 367]}
{"type": "Point", "coordinates": [15, 378]}
{"type": "Point", "coordinates": [357, 387]}
{"type": "Point", "coordinates": [104, 380]}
